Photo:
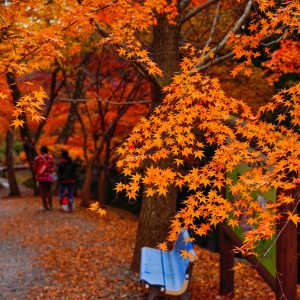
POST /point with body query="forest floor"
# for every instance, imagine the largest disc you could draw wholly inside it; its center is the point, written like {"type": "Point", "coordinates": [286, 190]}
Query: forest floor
{"type": "Point", "coordinates": [56, 255]}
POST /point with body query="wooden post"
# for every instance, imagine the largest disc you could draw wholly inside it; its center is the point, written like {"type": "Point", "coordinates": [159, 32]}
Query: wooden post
{"type": "Point", "coordinates": [226, 264]}
{"type": "Point", "coordinates": [286, 260]}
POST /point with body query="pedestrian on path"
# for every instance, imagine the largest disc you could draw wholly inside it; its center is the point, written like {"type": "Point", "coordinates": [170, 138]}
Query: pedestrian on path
{"type": "Point", "coordinates": [44, 168]}
{"type": "Point", "coordinates": [66, 179]}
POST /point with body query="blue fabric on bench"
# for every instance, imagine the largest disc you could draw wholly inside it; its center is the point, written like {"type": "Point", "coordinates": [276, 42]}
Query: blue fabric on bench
{"type": "Point", "coordinates": [166, 268]}
{"type": "Point", "coordinates": [174, 278]}
{"type": "Point", "coordinates": [151, 266]}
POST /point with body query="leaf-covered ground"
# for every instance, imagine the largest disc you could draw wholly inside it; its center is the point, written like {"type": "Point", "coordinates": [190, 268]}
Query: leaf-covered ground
{"type": "Point", "coordinates": [55, 255]}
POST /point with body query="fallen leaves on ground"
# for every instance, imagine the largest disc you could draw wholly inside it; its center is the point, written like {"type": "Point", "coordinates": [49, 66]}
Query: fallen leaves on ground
{"type": "Point", "coordinates": [79, 256]}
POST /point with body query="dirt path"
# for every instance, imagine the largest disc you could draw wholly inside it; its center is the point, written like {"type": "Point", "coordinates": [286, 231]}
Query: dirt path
{"type": "Point", "coordinates": [18, 272]}
{"type": "Point", "coordinates": [55, 255]}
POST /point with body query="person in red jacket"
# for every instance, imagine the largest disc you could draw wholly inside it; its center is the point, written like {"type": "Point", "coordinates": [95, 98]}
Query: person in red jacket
{"type": "Point", "coordinates": [43, 167]}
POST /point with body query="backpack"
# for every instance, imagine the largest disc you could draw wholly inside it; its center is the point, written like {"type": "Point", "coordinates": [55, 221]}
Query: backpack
{"type": "Point", "coordinates": [43, 166]}
{"type": "Point", "coordinates": [67, 205]}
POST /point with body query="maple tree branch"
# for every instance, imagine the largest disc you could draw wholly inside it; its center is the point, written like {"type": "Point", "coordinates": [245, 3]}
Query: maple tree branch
{"type": "Point", "coordinates": [196, 10]}
{"type": "Point", "coordinates": [139, 66]}
{"type": "Point", "coordinates": [214, 24]}
{"type": "Point", "coordinates": [53, 94]}
{"type": "Point", "coordinates": [284, 226]}
{"type": "Point", "coordinates": [84, 132]}
{"type": "Point", "coordinates": [266, 44]}
{"type": "Point", "coordinates": [91, 11]}
{"type": "Point", "coordinates": [100, 100]}
{"type": "Point", "coordinates": [104, 6]}
{"type": "Point", "coordinates": [223, 42]}
{"type": "Point", "coordinates": [231, 54]}
{"type": "Point", "coordinates": [100, 29]}
{"type": "Point", "coordinates": [184, 4]}
{"type": "Point", "coordinates": [110, 130]}
{"type": "Point", "coordinates": [217, 61]}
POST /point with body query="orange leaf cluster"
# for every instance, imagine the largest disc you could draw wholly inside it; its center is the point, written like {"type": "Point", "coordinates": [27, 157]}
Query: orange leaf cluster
{"type": "Point", "coordinates": [170, 148]}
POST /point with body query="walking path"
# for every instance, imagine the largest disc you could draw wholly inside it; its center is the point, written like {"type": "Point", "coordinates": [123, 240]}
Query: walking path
{"type": "Point", "coordinates": [56, 255]}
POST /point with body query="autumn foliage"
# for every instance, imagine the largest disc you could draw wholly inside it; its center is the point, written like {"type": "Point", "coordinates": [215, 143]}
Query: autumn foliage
{"type": "Point", "coordinates": [198, 135]}
{"type": "Point", "coordinates": [195, 115]}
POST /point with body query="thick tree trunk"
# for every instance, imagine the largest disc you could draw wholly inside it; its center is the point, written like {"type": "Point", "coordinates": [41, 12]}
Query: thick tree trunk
{"type": "Point", "coordinates": [85, 199]}
{"type": "Point", "coordinates": [104, 172]}
{"type": "Point", "coordinates": [165, 54]}
{"type": "Point", "coordinates": [28, 144]}
{"type": "Point", "coordinates": [156, 213]}
{"type": "Point", "coordinates": [102, 184]}
{"type": "Point", "coordinates": [154, 223]}
{"type": "Point", "coordinates": [9, 157]}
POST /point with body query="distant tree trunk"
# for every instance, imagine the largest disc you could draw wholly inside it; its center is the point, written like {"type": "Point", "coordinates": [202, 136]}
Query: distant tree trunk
{"type": "Point", "coordinates": [53, 93]}
{"type": "Point", "coordinates": [156, 213]}
{"type": "Point", "coordinates": [104, 174]}
{"type": "Point", "coordinates": [28, 144]}
{"type": "Point", "coordinates": [9, 157]}
{"type": "Point", "coordinates": [102, 184]}
{"type": "Point", "coordinates": [85, 198]}
{"type": "Point", "coordinates": [105, 142]}
{"type": "Point", "coordinates": [72, 115]}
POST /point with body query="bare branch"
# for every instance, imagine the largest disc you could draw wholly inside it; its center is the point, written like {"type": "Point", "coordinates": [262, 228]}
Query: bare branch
{"type": "Point", "coordinates": [231, 54]}
{"type": "Point", "coordinates": [101, 100]}
{"type": "Point", "coordinates": [139, 66]}
{"type": "Point", "coordinates": [196, 10]}
{"type": "Point", "coordinates": [217, 61]}
{"type": "Point", "coordinates": [53, 94]}
{"type": "Point", "coordinates": [101, 30]}
{"type": "Point", "coordinates": [214, 24]}
{"type": "Point", "coordinates": [275, 41]}
{"type": "Point", "coordinates": [104, 6]}
{"type": "Point", "coordinates": [184, 4]}
{"type": "Point", "coordinates": [223, 42]}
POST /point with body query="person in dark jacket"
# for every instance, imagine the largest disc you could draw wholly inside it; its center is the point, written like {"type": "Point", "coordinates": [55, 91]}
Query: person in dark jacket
{"type": "Point", "coordinates": [66, 179]}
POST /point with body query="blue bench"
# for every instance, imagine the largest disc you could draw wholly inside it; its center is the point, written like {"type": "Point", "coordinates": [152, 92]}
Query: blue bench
{"type": "Point", "coordinates": [167, 272]}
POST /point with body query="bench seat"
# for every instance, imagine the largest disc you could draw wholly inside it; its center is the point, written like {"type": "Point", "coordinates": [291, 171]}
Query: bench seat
{"type": "Point", "coordinates": [151, 267]}
{"type": "Point", "coordinates": [167, 271]}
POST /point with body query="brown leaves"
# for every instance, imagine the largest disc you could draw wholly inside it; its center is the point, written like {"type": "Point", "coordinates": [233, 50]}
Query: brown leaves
{"type": "Point", "coordinates": [79, 257]}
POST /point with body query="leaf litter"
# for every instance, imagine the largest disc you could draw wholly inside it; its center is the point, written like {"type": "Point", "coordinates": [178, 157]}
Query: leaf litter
{"type": "Point", "coordinates": [79, 256]}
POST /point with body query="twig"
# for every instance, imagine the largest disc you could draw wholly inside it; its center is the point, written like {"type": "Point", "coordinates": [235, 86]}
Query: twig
{"type": "Point", "coordinates": [100, 100]}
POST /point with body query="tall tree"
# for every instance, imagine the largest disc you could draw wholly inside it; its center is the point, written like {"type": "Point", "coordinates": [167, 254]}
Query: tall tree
{"type": "Point", "coordinates": [28, 143]}
{"type": "Point", "coordinates": [156, 213]}
{"type": "Point", "coordinates": [9, 158]}
{"type": "Point", "coordinates": [197, 113]}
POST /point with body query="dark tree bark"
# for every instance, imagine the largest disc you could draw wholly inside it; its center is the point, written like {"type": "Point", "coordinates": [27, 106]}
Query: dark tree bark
{"type": "Point", "coordinates": [85, 198]}
{"type": "Point", "coordinates": [28, 144]}
{"type": "Point", "coordinates": [102, 184]}
{"type": "Point", "coordinates": [156, 213]}
{"type": "Point", "coordinates": [9, 157]}
{"type": "Point", "coordinates": [72, 115]}
{"type": "Point", "coordinates": [154, 223]}
{"type": "Point", "coordinates": [53, 94]}
{"type": "Point", "coordinates": [104, 141]}
{"type": "Point", "coordinates": [226, 264]}
{"type": "Point", "coordinates": [286, 256]}
{"type": "Point", "coordinates": [165, 54]}
{"type": "Point", "coordinates": [104, 174]}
